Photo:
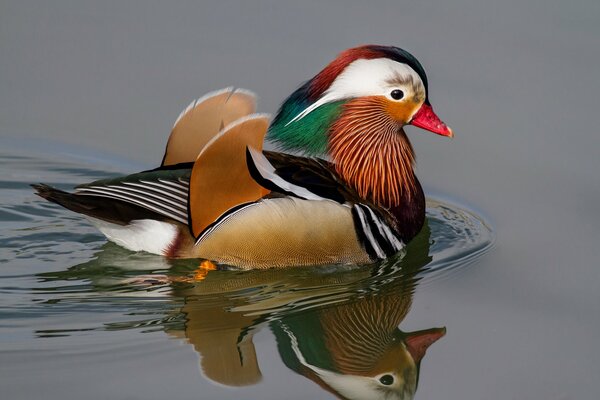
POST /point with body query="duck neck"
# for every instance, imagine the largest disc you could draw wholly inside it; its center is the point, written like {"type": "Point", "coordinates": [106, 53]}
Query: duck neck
{"type": "Point", "coordinates": [372, 154]}
{"type": "Point", "coordinates": [306, 135]}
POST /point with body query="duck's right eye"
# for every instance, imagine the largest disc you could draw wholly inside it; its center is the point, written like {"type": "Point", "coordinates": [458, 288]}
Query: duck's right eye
{"type": "Point", "coordinates": [386, 380]}
{"type": "Point", "coordinates": [397, 94]}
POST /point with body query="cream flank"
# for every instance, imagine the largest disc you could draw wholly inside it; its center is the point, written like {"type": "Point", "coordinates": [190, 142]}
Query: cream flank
{"type": "Point", "coordinates": [281, 231]}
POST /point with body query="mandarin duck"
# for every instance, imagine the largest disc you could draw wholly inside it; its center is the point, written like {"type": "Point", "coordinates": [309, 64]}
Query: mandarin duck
{"type": "Point", "coordinates": [340, 190]}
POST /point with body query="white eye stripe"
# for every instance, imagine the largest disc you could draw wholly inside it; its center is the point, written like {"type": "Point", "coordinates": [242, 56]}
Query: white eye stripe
{"type": "Point", "coordinates": [374, 77]}
{"type": "Point", "coordinates": [371, 77]}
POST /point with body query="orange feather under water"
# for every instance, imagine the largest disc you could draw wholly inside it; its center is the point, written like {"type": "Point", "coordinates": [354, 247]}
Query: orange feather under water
{"type": "Point", "coordinates": [372, 153]}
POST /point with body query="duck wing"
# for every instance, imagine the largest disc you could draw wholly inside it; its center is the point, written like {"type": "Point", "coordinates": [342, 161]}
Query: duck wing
{"type": "Point", "coordinates": [220, 180]}
{"type": "Point", "coordinates": [316, 179]}
{"type": "Point", "coordinates": [309, 178]}
{"type": "Point", "coordinates": [203, 119]}
{"type": "Point", "coordinates": [160, 191]}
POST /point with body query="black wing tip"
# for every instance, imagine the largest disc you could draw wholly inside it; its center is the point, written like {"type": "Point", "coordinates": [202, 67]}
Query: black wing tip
{"type": "Point", "coordinates": [57, 196]}
{"type": "Point", "coordinates": [40, 186]}
{"type": "Point", "coordinates": [46, 191]}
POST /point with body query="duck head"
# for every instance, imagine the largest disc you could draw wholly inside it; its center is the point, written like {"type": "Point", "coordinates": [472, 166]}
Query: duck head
{"type": "Point", "coordinates": [356, 350]}
{"type": "Point", "coordinates": [395, 375]}
{"type": "Point", "coordinates": [353, 111]}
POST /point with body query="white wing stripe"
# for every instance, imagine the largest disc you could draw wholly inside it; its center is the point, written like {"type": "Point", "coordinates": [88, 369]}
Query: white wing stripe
{"type": "Point", "coordinates": [133, 198]}
{"type": "Point", "coordinates": [181, 190]}
{"type": "Point", "coordinates": [369, 234]}
{"type": "Point", "coordinates": [267, 171]}
{"type": "Point", "coordinates": [151, 195]}
{"type": "Point", "coordinates": [144, 196]}
{"type": "Point", "coordinates": [397, 244]}
{"type": "Point", "coordinates": [386, 233]}
{"type": "Point", "coordinates": [172, 184]}
{"type": "Point", "coordinates": [92, 192]}
{"type": "Point", "coordinates": [128, 196]}
{"type": "Point", "coordinates": [160, 190]}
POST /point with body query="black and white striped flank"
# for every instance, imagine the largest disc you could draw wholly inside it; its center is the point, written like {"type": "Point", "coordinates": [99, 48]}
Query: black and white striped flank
{"type": "Point", "coordinates": [378, 238]}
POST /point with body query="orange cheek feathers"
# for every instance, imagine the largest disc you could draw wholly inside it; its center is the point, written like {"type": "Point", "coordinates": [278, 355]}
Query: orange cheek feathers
{"type": "Point", "coordinates": [401, 111]}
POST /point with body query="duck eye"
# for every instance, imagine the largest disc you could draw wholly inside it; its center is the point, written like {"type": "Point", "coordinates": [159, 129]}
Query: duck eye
{"type": "Point", "coordinates": [397, 94]}
{"type": "Point", "coordinates": [386, 380]}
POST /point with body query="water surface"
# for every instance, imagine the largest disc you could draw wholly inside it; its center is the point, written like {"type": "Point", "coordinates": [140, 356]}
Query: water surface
{"type": "Point", "coordinates": [90, 89]}
{"type": "Point", "coordinates": [70, 298]}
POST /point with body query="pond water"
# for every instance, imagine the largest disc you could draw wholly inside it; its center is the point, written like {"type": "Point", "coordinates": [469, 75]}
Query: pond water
{"type": "Point", "coordinates": [503, 283]}
{"type": "Point", "coordinates": [70, 299]}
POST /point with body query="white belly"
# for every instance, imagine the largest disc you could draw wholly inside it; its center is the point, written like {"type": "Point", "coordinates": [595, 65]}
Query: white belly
{"type": "Point", "coordinates": [139, 235]}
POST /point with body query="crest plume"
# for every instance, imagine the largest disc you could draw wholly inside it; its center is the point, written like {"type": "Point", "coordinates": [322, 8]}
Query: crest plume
{"type": "Point", "coordinates": [321, 82]}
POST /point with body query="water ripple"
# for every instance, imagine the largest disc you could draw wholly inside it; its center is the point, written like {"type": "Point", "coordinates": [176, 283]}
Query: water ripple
{"type": "Point", "coordinates": [56, 264]}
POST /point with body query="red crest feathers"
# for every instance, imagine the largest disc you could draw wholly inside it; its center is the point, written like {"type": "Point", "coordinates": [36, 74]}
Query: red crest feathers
{"type": "Point", "coordinates": [325, 78]}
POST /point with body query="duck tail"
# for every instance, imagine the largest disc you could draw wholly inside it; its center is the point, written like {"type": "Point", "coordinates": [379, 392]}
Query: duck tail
{"type": "Point", "coordinates": [109, 210]}
{"type": "Point", "coordinates": [60, 197]}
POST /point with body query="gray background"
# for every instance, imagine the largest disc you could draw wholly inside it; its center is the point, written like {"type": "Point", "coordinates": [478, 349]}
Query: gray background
{"type": "Point", "coordinates": [516, 80]}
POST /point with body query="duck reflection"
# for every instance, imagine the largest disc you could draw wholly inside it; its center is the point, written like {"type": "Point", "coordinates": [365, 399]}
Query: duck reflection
{"type": "Point", "coordinates": [356, 351]}
{"type": "Point", "coordinates": [336, 326]}
{"type": "Point", "coordinates": [338, 329]}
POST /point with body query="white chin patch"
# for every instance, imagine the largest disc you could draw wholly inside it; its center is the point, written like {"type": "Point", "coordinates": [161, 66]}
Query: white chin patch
{"type": "Point", "coordinates": [139, 235]}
